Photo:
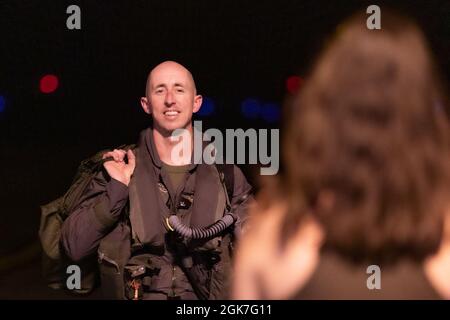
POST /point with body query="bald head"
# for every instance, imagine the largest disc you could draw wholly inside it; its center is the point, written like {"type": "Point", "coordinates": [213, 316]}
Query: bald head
{"type": "Point", "coordinates": [169, 71]}
{"type": "Point", "coordinates": [171, 98]}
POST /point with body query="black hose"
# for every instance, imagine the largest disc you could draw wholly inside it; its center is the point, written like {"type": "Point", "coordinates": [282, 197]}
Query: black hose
{"type": "Point", "coordinates": [174, 223]}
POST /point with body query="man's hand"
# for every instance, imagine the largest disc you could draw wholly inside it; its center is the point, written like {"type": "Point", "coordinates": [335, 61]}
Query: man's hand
{"type": "Point", "coordinates": [117, 168]}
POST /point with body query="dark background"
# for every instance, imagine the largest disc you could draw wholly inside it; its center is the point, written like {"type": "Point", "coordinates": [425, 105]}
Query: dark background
{"type": "Point", "coordinates": [235, 50]}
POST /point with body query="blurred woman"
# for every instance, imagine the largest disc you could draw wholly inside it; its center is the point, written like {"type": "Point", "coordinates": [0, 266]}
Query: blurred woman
{"type": "Point", "coordinates": [365, 180]}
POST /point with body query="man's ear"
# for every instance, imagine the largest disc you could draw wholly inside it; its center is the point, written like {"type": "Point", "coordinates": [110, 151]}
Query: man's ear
{"type": "Point", "coordinates": [146, 105]}
{"type": "Point", "coordinates": [197, 103]}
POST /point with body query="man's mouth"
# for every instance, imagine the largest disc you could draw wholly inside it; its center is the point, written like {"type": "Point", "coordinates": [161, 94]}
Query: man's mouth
{"type": "Point", "coordinates": [171, 113]}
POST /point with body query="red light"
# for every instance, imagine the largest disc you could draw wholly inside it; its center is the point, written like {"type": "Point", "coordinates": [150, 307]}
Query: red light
{"type": "Point", "coordinates": [293, 84]}
{"type": "Point", "coordinates": [48, 83]}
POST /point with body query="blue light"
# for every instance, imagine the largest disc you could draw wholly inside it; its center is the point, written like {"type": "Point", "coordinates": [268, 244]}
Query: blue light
{"type": "Point", "coordinates": [270, 112]}
{"type": "Point", "coordinates": [207, 107]}
{"type": "Point", "coordinates": [251, 108]}
{"type": "Point", "coordinates": [2, 104]}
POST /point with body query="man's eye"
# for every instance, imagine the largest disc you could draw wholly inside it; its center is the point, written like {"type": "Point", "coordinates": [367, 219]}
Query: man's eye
{"type": "Point", "coordinates": [180, 90]}
{"type": "Point", "coordinates": [159, 91]}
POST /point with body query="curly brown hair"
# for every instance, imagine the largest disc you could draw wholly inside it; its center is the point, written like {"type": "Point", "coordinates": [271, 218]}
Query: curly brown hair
{"type": "Point", "coordinates": [368, 133]}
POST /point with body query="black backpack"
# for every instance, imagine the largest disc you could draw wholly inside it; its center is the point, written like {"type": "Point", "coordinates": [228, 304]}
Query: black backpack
{"type": "Point", "coordinates": [53, 214]}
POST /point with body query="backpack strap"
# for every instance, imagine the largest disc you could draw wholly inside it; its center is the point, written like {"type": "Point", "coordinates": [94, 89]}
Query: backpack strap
{"type": "Point", "coordinates": [85, 173]}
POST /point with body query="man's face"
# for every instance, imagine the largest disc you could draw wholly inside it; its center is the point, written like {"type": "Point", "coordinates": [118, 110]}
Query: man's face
{"type": "Point", "coordinates": [171, 97]}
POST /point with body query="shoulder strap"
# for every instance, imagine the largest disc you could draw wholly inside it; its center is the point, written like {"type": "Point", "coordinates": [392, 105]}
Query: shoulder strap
{"type": "Point", "coordinates": [227, 170]}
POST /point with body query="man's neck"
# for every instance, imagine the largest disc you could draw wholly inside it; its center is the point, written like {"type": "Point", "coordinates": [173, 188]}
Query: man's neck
{"type": "Point", "coordinates": [165, 145]}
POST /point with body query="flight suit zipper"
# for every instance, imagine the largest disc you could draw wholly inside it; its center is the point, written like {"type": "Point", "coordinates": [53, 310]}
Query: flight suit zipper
{"type": "Point", "coordinates": [172, 292]}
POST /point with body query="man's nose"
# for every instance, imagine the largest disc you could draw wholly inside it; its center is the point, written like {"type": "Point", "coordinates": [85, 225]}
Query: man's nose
{"type": "Point", "coordinates": [169, 101]}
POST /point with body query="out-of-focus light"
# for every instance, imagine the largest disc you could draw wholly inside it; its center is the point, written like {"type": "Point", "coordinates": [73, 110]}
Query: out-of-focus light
{"type": "Point", "coordinates": [208, 107]}
{"type": "Point", "coordinates": [2, 103]}
{"type": "Point", "coordinates": [251, 108]}
{"type": "Point", "coordinates": [270, 112]}
{"type": "Point", "coordinates": [293, 84]}
{"type": "Point", "coordinates": [48, 83]}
